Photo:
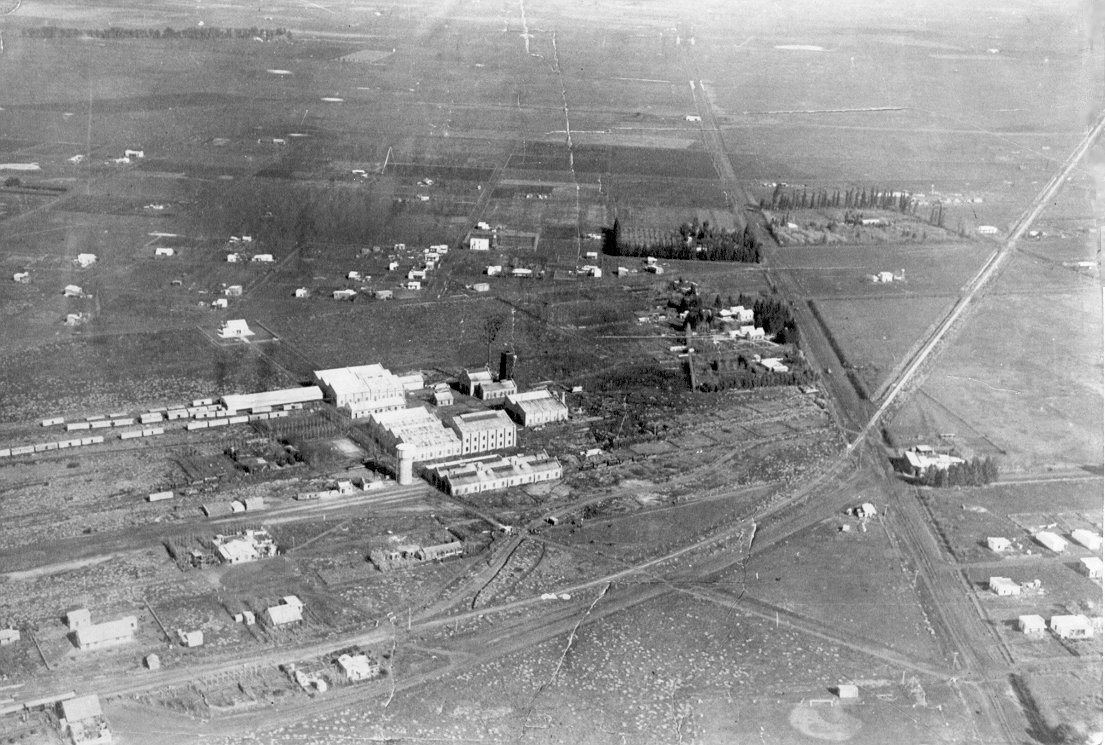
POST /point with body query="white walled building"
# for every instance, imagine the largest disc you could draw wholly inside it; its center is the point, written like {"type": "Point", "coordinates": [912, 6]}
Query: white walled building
{"type": "Point", "coordinates": [364, 389]}
{"type": "Point", "coordinates": [489, 472]}
{"type": "Point", "coordinates": [480, 431]}
{"type": "Point", "coordinates": [416, 427]}
{"type": "Point", "coordinates": [534, 408]}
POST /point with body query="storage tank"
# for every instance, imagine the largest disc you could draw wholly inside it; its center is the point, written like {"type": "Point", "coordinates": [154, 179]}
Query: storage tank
{"type": "Point", "coordinates": [405, 454]}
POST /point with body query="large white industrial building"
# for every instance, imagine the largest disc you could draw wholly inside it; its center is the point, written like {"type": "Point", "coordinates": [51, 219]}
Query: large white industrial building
{"type": "Point", "coordinates": [534, 408]}
{"type": "Point", "coordinates": [490, 472]}
{"type": "Point", "coordinates": [268, 400]}
{"type": "Point", "coordinates": [480, 431]}
{"type": "Point", "coordinates": [366, 389]}
{"type": "Point", "coordinates": [423, 433]}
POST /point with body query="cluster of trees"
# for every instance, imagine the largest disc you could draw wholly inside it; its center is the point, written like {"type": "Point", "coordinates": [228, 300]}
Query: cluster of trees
{"type": "Point", "coordinates": [774, 317]}
{"type": "Point", "coordinates": [883, 199]}
{"type": "Point", "coordinates": [196, 32]}
{"type": "Point", "coordinates": [693, 241]}
{"type": "Point", "coordinates": [975, 472]}
{"type": "Point", "coordinates": [742, 374]}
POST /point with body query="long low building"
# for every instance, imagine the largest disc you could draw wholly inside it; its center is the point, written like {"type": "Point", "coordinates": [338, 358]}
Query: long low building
{"type": "Point", "coordinates": [417, 428]}
{"type": "Point", "coordinates": [249, 401]}
{"type": "Point", "coordinates": [534, 408]}
{"type": "Point", "coordinates": [480, 431]}
{"type": "Point", "coordinates": [108, 634]}
{"type": "Point", "coordinates": [490, 472]}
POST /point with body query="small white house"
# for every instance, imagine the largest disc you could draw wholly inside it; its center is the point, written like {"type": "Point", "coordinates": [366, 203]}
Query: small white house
{"type": "Point", "coordinates": [163, 251]}
{"type": "Point", "coordinates": [1071, 627]}
{"type": "Point", "coordinates": [1086, 538]}
{"type": "Point", "coordinates": [353, 275]}
{"type": "Point", "coordinates": [21, 277]}
{"type": "Point", "coordinates": [1031, 624]}
{"type": "Point", "coordinates": [233, 291]}
{"type": "Point", "coordinates": [85, 260]}
{"type": "Point", "coordinates": [481, 287]}
{"type": "Point", "coordinates": [1051, 541]}
{"type": "Point", "coordinates": [987, 230]}
{"type": "Point", "coordinates": [1090, 566]}
{"type": "Point", "coordinates": [234, 258]}
{"type": "Point", "coordinates": [412, 284]}
{"type": "Point", "coordinates": [235, 328]}
{"type": "Point", "coordinates": [345, 294]}
{"type": "Point", "coordinates": [493, 270]}
{"type": "Point", "coordinates": [302, 292]}
{"type": "Point", "coordinates": [356, 668]}
{"type": "Point", "coordinates": [73, 291]}
{"type": "Point", "coordinates": [262, 259]}
{"type": "Point", "coordinates": [521, 272]}
{"type": "Point", "coordinates": [1004, 587]}
{"type": "Point", "coordinates": [393, 265]}
{"type": "Point", "coordinates": [998, 544]}
{"type": "Point", "coordinates": [478, 243]}
{"type": "Point", "coordinates": [134, 154]}
{"type": "Point", "coordinates": [220, 302]}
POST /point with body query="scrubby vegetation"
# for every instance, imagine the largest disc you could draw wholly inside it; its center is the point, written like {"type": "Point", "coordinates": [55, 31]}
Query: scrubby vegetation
{"type": "Point", "coordinates": [975, 472]}
{"type": "Point", "coordinates": [692, 241]}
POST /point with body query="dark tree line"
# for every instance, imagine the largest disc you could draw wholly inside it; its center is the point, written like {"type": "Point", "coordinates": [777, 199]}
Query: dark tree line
{"type": "Point", "coordinates": [774, 317]}
{"type": "Point", "coordinates": [975, 472]}
{"type": "Point", "coordinates": [743, 374]}
{"type": "Point", "coordinates": [692, 241]}
{"type": "Point", "coordinates": [197, 32]}
{"type": "Point", "coordinates": [883, 199]}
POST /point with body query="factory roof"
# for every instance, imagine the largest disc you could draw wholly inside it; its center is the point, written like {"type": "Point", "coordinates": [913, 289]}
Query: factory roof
{"type": "Point", "coordinates": [243, 401]}
{"type": "Point", "coordinates": [415, 426]}
{"type": "Point", "coordinates": [539, 400]}
{"type": "Point", "coordinates": [349, 381]}
{"type": "Point", "coordinates": [481, 420]}
{"type": "Point", "coordinates": [81, 708]}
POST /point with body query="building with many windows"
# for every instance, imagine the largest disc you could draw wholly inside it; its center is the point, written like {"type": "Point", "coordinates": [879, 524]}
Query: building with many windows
{"type": "Point", "coordinates": [534, 408]}
{"type": "Point", "coordinates": [424, 434]}
{"type": "Point", "coordinates": [480, 431]}
{"type": "Point", "coordinates": [364, 389]}
{"type": "Point", "coordinates": [490, 472]}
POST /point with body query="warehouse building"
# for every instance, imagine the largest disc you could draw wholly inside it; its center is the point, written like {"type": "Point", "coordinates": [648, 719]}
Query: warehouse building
{"type": "Point", "coordinates": [534, 408]}
{"type": "Point", "coordinates": [268, 400]}
{"type": "Point", "coordinates": [480, 431]}
{"type": "Point", "coordinates": [424, 434]}
{"type": "Point", "coordinates": [364, 389]}
{"type": "Point", "coordinates": [1051, 541]}
{"type": "Point", "coordinates": [497, 390]}
{"type": "Point", "coordinates": [1071, 627]}
{"type": "Point", "coordinates": [489, 472]}
{"type": "Point", "coordinates": [109, 634]}
{"type": "Point", "coordinates": [1090, 566]}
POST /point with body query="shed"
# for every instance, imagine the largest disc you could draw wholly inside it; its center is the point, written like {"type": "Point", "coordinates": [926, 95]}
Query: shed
{"type": "Point", "coordinates": [1090, 566]}
{"type": "Point", "coordinates": [1051, 541]}
{"type": "Point", "coordinates": [847, 690]}
{"type": "Point", "coordinates": [152, 662]}
{"type": "Point", "coordinates": [1004, 587]}
{"type": "Point", "coordinates": [1031, 624]}
{"type": "Point", "coordinates": [357, 667]}
{"type": "Point", "coordinates": [9, 636]}
{"type": "Point", "coordinates": [998, 544]}
{"type": "Point", "coordinates": [81, 708]}
{"type": "Point", "coordinates": [1086, 538]}
{"type": "Point", "coordinates": [191, 638]}
{"type": "Point", "coordinates": [280, 615]}
{"type": "Point", "coordinates": [163, 251]}
{"type": "Point", "coordinates": [79, 618]}
{"type": "Point", "coordinates": [1071, 627]}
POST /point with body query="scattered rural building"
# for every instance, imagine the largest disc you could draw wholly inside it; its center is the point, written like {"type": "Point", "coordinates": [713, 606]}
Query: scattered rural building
{"type": "Point", "coordinates": [73, 291]}
{"type": "Point", "coordinates": [535, 408]}
{"type": "Point", "coordinates": [480, 431]}
{"type": "Point", "coordinates": [479, 243]}
{"type": "Point", "coordinates": [488, 473]}
{"type": "Point", "coordinates": [134, 154]}
{"type": "Point", "coordinates": [481, 287]}
{"type": "Point", "coordinates": [355, 668]}
{"type": "Point", "coordinates": [190, 638]}
{"type": "Point", "coordinates": [235, 329]}
{"type": "Point", "coordinates": [233, 258]}
{"type": "Point", "coordinates": [883, 277]}
{"type": "Point", "coordinates": [220, 302]}
{"type": "Point", "coordinates": [163, 251]}
{"type": "Point", "coordinates": [404, 555]}
{"type": "Point", "coordinates": [424, 434]}
{"type": "Point", "coordinates": [1051, 541]}
{"type": "Point", "coordinates": [1031, 624]}
{"type": "Point", "coordinates": [85, 260]}
{"type": "Point", "coordinates": [83, 719]}
{"type": "Point", "coordinates": [1086, 538]}
{"type": "Point", "coordinates": [364, 389]}
{"type": "Point", "coordinates": [159, 496]}
{"type": "Point", "coordinates": [9, 636]}
{"type": "Point", "coordinates": [774, 364]}
{"type": "Point", "coordinates": [987, 230]}
{"type": "Point", "coordinates": [285, 613]}
{"type": "Point", "coordinates": [233, 291]}
{"type": "Point", "coordinates": [107, 634]}
{"type": "Point", "coordinates": [345, 294]}
{"type": "Point", "coordinates": [1004, 587]}
{"type": "Point", "coordinates": [152, 662]}
{"type": "Point", "coordinates": [998, 544]}
{"type": "Point", "coordinates": [923, 457]}
{"type": "Point", "coordinates": [249, 545]}
{"type": "Point", "coordinates": [847, 690]}
{"type": "Point", "coordinates": [266, 401]}
{"type": "Point", "coordinates": [383, 294]}
{"type": "Point", "coordinates": [412, 284]}
{"type": "Point", "coordinates": [1071, 626]}
{"type": "Point", "coordinates": [78, 619]}
{"type": "Point", "coordinates": [262, 258]}
{"type": "Point", "coordinates": [22, 277]}
{"type": "Point", "coordinates": [493, 270]}
{"type": "Point", "coordinates": [521, 272]}
{"type": "Point", "coordinates": [302, 292]}
{"type": "Point", "coordinates": [1090, 566]}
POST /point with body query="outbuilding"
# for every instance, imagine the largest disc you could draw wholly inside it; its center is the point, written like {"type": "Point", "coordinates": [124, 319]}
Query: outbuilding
{"type": "Point", "coordinates": [1071, 627]}
{"type": "Point", "coordinates": [1090, 566]}
{"type": "Point", "coordinates": [1086, 538]}
{"type": "Point", "coordinates": [1051, 541]}
{"type": "Point", "coordinates": [998, 544]}
{"type": "Point", "coordinates": [1004, 587]}
{"type": "Point", "coordinates": [1031, 624]}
